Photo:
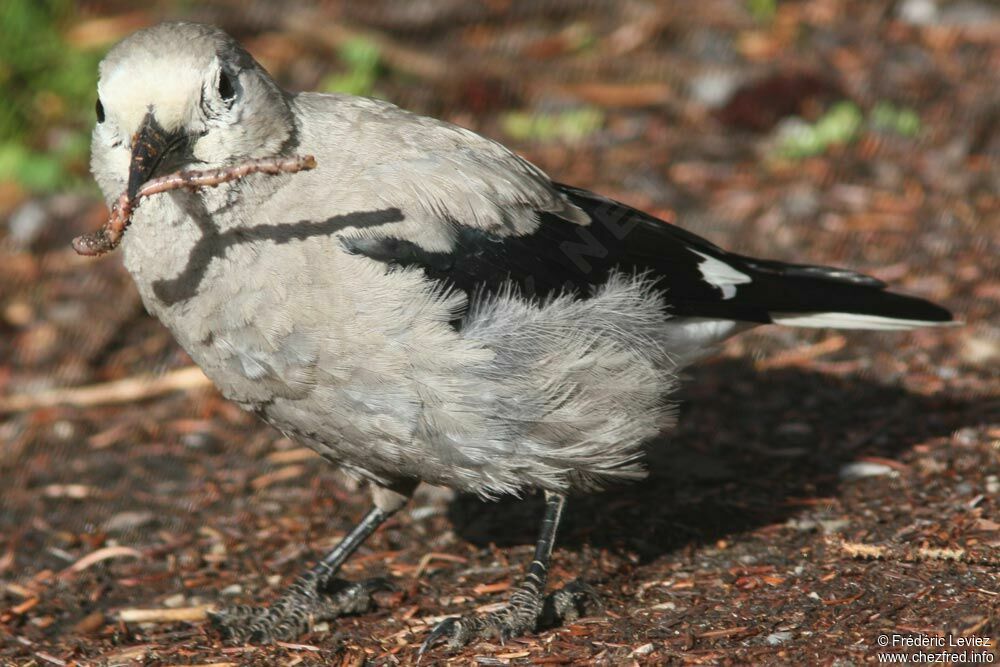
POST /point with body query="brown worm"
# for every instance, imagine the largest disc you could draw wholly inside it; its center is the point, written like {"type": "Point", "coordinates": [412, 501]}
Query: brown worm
{"type": "Point", "coordinates": [108, 237]}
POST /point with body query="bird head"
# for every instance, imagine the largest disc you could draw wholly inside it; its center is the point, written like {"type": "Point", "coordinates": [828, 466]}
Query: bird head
{"type": "Point", "coordinates": [182, 95]}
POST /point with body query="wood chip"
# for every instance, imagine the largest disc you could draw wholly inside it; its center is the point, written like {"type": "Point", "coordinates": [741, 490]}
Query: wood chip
{"type": "Point", "coordinates": [188, 614]}
{"type": "Point", "coordinates": [426, 560]}
{"type": "Point", "coordinates": [128, 390]}
{"type": "Point", "coordinates": [919, 555]}
{"type": "Point", "coordinates": [49, 658]}
{"type": "Point", "coordinates": [297, 455]}
{"type": "Point", "coordinates": [485, 589]}
{"type": "Point", "coordinates": [723, 633]}
{"type": "Point", "coordinates": [24, 606]}
{"type": "Point", "coordinates": [125, 655]}
{"type": "Point", "coordinates": [90, 623]}
{"type": "Point", "coordinates": [298, 647]}
{"type": "Point", "coordinates": [800, 355]}
{"type": "Point", "coordinates": [511, 656]}
{"type": "Point", "coordinates": [106, 553]}
{"type": "Point", "coordinates": [275, 476]}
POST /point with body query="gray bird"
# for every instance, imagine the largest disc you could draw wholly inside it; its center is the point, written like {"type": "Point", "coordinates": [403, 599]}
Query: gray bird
{"type": "Point", "coordinates": [424, 305]}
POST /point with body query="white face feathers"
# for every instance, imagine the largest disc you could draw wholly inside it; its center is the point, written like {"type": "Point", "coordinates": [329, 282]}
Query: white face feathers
{"type": "Point", "coordinates": [182, 95]}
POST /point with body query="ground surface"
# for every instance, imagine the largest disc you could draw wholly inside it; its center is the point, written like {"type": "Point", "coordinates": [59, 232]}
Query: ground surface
{"type": "Point", "coordinates": [743, 545]}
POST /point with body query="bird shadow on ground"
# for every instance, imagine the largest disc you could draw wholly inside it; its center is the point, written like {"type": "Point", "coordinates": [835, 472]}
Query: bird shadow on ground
{"type": "Point", "coordinates": [750, 450]}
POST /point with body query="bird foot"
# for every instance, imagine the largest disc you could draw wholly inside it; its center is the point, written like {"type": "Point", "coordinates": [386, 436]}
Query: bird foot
{"type": "Point", "coordinates": [574, 600]}
{"type": "Point", "coordinates": [311, 599]}
{"type": "Point", "coordinates": [526, 611]}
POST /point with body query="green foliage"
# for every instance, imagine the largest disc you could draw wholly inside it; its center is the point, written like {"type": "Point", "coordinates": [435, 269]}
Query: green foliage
{"type": "Point", "coordinates": [34, 170]}
{"type": "Point", "coordinates": [48, 88]}
{"type": "Point", "coordinates": [762, 11]}
{"type": "Point", "coordinates": [887, 117]}
{"type": "Point", "coordinates": [842, 124]}
{"type": "Point", "coordinates": [581, 37]}
{"type": "Point", "coordinates": [571, 125]}
{"type": "Point", "coordinates": [363, 62]}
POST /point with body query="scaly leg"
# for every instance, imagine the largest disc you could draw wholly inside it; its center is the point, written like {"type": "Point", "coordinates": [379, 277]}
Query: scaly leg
{"type": "Point", "coordinates": [528, 605]}
{"type": "Point", "coordinates": [316, 596]}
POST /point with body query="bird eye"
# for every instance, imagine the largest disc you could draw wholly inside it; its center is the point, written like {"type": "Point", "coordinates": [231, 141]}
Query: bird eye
{"type": "Point", "coordinates": [227, 90]}
{"type": "Point", "coordinates": [100, 111]}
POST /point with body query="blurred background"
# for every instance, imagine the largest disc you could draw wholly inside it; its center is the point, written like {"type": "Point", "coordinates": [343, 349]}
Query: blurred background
{"type": "Point", "coordinates": [863, 133]}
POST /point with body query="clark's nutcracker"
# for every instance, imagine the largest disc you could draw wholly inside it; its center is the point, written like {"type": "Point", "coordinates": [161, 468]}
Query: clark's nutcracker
{"type": "Point", "coordinates": [424, 305]}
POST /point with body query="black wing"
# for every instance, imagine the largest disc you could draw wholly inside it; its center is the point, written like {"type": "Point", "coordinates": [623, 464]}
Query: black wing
{"type": "Point", "coordinates": [699, 279]}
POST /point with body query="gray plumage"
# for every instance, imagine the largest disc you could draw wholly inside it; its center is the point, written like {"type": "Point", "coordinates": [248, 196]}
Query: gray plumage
{"type": "Point", "coordinates": [341, 306]}
{"type": "Point", "coordinates": [362, 363]}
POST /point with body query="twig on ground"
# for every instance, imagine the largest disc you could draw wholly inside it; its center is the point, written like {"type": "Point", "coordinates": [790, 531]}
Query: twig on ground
{"type": "Point", "coordinates": [106, 553]}
{"type": "Point", "coordinates": [918, 555]}
{"type": "Point", "coordinates": [800, 355]}
{"type": "Point", "coordinates": [189, 614]}
{"type": "Point", "coordinates": [119, 391]}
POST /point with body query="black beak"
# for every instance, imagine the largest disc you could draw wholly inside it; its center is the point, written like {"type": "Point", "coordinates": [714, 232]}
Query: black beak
{"type": "Point", "coordinates": [150, 144]}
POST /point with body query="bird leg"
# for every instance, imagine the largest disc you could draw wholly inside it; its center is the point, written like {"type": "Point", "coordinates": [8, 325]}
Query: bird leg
{"type": "Point", "coordinates": [318, 595]}
{"type": "Point", "coordinates": [528, 607]}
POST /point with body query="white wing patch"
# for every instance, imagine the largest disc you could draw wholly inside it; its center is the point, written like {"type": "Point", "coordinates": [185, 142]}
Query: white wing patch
{"type": "Point", "coordinates": [720, 274]}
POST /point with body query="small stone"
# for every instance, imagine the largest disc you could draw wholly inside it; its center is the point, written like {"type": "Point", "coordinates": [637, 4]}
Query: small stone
{"type": "Point", "coordinates": [802, 525]}
{"type": "Point", "coordinates": [645, 649]}
{"type": "Point", "coordinates": [834, 525]}
{"type": "Point", "coordinates": [713, 89]}
{"type": "Point", "coordinates": [966, 437]}
{"type": "Point", "coordinates": [425, 512]}
{"type": "Point", "coordinates": [175, 601]}
{"type": "Point", "coordinates": [197, 440]}
{"type": "Point", "coordinates": [918, 12]}
{"type": "Point", "coordinates": [993, 485]}
{"type": "Point", "coordinates": [64, 430]}
{"type": "Point", "coordinates": [232, 589]}
{"type": "Point", "coordinates": [124, 521]}
{"type": "Point", "coordinates": [802, 201]}
{"type": "Point", "coordinates": [27, 223]}
{"type": "Point", "coordinates": [981, 347]}
{"type": "Point", "coordinates": [776, 638]}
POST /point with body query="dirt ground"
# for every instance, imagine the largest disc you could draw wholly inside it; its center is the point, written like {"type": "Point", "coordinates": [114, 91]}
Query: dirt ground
{"type": "Point", "coordinates": [822, 490]}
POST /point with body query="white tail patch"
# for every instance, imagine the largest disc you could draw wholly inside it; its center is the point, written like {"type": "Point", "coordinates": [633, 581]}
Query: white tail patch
{"type": "Point", "coordinates": [720, 274]}
{"type": "Point", "coordinates": [851, 321]}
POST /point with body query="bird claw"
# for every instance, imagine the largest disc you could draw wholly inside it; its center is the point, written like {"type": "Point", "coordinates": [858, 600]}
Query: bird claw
{"type": "Point", "coordinates": [574, 600]}
{"type": "Point", "coordinates": [448, 628]}
{"type": "Point", "coordinates": [503, 624]}
{"type": "Point", "coordinates": [308, 601]}
{"type": "Point", "coordinates": [347, 594]}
